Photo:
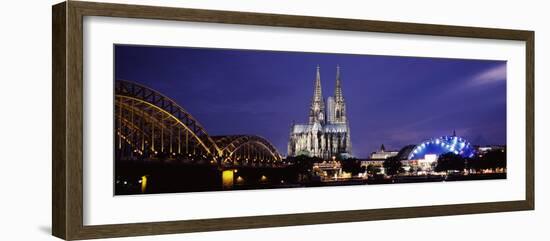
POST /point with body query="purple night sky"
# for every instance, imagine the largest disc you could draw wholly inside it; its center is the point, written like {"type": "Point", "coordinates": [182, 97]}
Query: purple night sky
{"type": "Point", "coordinates": [390, 100]}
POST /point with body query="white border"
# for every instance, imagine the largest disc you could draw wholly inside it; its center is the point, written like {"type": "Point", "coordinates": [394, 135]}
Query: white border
{"type": "Point", "coordinates": [100, 207]}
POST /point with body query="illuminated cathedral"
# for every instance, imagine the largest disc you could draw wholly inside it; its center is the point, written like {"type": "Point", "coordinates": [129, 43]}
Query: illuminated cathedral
{"type": "Point", "coordinates": [327, 134]}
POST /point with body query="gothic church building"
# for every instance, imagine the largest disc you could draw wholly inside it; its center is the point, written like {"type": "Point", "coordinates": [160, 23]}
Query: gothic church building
{"type": "Point", "coordinates": [327, 134]}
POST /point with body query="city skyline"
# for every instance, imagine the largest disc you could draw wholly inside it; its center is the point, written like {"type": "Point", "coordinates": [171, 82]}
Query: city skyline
{"type": "Point", "coordinates": [395, 101]}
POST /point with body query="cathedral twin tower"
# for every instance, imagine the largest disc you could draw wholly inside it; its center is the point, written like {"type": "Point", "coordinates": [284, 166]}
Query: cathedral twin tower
{"type": "Point", "coordinates": [327, 133]}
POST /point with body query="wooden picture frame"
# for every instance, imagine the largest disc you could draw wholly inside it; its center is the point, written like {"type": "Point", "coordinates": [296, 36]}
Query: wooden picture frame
{"type": "Point", "coordinates": [67, 152]}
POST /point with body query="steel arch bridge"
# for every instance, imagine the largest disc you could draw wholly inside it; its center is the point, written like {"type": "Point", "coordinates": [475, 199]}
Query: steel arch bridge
{"type": "Point", "coordinates": [247, 150]}
{"type": "Point", "coordinates": [151, 126]}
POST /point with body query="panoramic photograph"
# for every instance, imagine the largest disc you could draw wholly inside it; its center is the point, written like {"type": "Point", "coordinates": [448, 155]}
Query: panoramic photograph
{"type": "Point", "coordinates": [190, 119]}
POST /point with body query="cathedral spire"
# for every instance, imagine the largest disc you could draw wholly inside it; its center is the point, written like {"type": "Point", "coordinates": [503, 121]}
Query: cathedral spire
{"type": "Point", "coordinates": [317, 109]}
{"type": "Point", "coordinates": [338, 96]}
{"type": "Point", "coordinates": [339, 108]}
{"type": "Point", "coordinates": [318, 94]}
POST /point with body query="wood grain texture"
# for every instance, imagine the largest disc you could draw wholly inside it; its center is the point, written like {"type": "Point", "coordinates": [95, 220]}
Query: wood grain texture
{"type": "Point", "coordinates": [67, 174]}
{"type": "Point", "coordinates": [74, 121]}
{"type": "Point", "coordinates": [59, 193]}
{"type": "Point", "coordinates": [530, 120]}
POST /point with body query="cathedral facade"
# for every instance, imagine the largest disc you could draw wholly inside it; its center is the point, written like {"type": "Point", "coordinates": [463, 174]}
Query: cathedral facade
{"type": "Point", "coordinates": [327, 134]}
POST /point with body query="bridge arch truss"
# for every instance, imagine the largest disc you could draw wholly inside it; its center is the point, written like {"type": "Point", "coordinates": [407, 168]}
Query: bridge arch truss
{"type": "Point", "coordinates": [247, 150]}
{"type": "Point", "coordinates": [149, 125]}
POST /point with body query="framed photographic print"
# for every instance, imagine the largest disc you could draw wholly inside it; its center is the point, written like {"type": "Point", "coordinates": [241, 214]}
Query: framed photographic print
{"type": "Point", "coordinates": [170, 120]}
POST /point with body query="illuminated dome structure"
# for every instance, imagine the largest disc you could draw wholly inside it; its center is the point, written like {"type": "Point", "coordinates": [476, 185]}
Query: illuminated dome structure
{"type": "Point", "coordinates": [442, 145]}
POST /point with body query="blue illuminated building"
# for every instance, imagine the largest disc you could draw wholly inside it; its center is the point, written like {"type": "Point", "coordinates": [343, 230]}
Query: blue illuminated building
{"type": "Point", "coordinates": [442, 145]}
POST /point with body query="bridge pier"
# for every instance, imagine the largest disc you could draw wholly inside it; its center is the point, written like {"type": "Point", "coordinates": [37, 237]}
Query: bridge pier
{"type": "Point", "coordinates": [227, 178]}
